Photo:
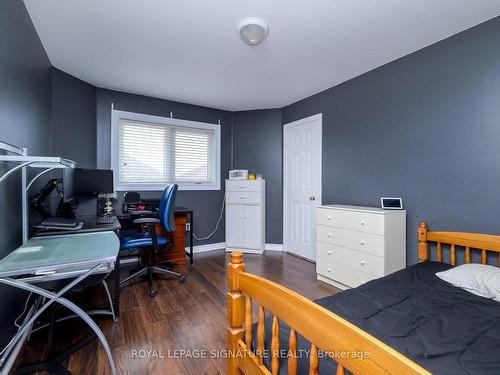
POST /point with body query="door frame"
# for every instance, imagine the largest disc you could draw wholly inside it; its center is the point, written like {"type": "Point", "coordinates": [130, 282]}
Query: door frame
{"type": "Point", "coordinates": [286, 129]}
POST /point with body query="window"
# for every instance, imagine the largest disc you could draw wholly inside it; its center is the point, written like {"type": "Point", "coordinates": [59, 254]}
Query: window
{"type": "Point", "coordinates": [150, 152]}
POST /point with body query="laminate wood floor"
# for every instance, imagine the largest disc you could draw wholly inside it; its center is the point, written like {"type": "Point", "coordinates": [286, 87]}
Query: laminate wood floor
{"type": "Point", "coordinates": [183, 317]}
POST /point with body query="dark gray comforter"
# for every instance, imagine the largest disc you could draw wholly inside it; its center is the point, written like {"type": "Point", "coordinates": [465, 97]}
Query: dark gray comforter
{"type": "Point", "coordinates": [443, 328]}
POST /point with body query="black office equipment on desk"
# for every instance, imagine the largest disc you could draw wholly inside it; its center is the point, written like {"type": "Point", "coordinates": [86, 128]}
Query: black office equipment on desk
{"type": "Point", "coordinates": [65, 190]}
{"type": "Point", "coordinates": [132, 202]}
{"type": "Point", "coordinates": [60, 223]}
{"type": "Point", "coordinates": [68, 185]}
{"type": "Point", "coordinates": [89, 226]}
{"type": "Point", "coordinates": [93, 181]}
{"type": "Point", "coordinates": [105, 219]}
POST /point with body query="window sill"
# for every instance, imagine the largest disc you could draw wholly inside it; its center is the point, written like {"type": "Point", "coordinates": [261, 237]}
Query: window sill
{"type": "Point", "coordinates": [140, 187]}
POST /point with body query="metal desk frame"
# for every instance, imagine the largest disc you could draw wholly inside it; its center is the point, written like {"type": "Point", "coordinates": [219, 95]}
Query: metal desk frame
{"type": "Point", "coordinates": [20, 157]}
{"type": "Point", "coordinates": [78, 270]}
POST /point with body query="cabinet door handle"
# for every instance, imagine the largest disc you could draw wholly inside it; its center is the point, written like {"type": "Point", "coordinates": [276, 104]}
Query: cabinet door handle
{"type": "Point", "coordinates": [329, 235]}
{"type": "Point", "coordinates": [329, 270]}
{"type": "Point", "coordinates": [362, 262]}
{"type": "Point", "coordinates": [329, 252]}
{"type": "Point", "coordinates": [363, 222]}
{"type": "Point", "coordinates": [328, 218]}
{"type": "Point", "coordinates": [363, 242]}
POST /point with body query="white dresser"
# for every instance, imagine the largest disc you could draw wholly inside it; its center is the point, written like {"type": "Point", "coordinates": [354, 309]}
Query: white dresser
{"type": "Point", "coordinates": [245, 215]}
{"type": "Point", "coordinates": [358, 244]}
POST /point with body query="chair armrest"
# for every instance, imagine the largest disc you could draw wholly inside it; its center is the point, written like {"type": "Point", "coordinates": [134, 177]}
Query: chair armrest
{"type": "Point", "coordinates": [146, 220]}
{"type": "Point", "coordinates": [142, 213]}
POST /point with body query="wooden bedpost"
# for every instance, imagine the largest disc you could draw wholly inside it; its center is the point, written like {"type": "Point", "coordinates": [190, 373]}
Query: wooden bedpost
{"type": "Point", "coordinates": [423, 245]}
{"type": "Point", "coordinates": [235, 310]}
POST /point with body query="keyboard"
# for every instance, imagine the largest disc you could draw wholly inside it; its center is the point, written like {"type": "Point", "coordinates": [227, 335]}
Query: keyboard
{"type": "Point", "coordinates": [106, 219]}
{"type": "Point", "coordinates": [59, 222]}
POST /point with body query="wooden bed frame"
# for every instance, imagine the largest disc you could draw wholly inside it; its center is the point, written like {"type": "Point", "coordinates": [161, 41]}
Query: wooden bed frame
{"type": "Point", "coordinates": [325, 330]}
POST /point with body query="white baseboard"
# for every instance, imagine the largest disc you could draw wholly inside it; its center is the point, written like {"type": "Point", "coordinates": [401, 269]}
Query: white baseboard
{"type": "Point", "coordinates": [274, 246]}
{"type": "Point", "coordinates": [244, 251]}
{"type": "Point", "coordinates": [222, 245]}
{"type": "Point", "coordinates": [208, 247]}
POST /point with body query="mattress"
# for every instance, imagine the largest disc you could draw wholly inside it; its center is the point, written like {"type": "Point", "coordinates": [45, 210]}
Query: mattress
{"type": "Point", "coordinates": [445, 329]}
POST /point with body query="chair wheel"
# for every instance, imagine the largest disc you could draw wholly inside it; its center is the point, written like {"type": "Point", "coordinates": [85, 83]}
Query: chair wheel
{"type": "Point", "coordinates": [182, 279]}
{"type": "Point", "coordinates": [153, 293]}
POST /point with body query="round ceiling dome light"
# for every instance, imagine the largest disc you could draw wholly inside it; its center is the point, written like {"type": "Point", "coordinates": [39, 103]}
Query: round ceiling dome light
{"type": "Point", "coordinates": [252, 30]}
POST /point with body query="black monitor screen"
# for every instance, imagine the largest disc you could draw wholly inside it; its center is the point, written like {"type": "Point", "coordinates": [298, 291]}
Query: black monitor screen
{"type": "Point", "coordinates": [93, 181]}
{"type": "Point", "coordinates": [68, 184]}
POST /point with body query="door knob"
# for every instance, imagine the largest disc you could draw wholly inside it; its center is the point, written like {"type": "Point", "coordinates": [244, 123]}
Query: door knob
{"type": "Point", "coordinates": [312, 198]}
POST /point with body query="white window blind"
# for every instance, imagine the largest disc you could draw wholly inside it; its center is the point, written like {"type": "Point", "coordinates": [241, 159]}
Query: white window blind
{"type": "Point", "coordinates": [150, 155]}
{"type": "Point", "coordinates": [143, 153]}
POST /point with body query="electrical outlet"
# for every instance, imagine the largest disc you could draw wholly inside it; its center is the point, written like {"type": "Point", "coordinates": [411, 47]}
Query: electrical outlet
{"type": "Point", "coordinates": [188, 227]}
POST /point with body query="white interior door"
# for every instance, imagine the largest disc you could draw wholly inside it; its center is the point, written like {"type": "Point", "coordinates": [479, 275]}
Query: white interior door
{"type": "Point", "coordinates": [302, 185]}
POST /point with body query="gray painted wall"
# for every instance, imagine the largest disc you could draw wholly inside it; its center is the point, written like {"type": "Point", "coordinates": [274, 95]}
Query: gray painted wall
{"type": "Point", "coordinates": [73, 119]}
{"type": "Point", "coordinates": [426, 128]}
{"type": "Point", "coordinates": [207, 204]}
{"type": "Point", "coordinates": [257, 147]}
{"type": "Point", "coordinates": [24, 121]}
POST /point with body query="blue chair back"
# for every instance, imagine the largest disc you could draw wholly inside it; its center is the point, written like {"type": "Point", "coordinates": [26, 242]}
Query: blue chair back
{"type": "Point", "coordinates": [166, 209]}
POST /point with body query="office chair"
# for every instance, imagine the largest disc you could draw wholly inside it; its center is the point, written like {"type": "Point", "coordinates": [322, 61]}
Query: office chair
{"type": "Point", "coordinates": [151, 240]}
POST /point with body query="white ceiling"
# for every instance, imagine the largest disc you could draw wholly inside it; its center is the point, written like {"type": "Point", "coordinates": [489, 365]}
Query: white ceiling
{"type": "Point", "coordinates": [189, 51]}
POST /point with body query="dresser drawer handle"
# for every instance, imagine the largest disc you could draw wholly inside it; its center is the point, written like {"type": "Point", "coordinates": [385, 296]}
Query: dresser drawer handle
{"type": "Point", "coordinates": [329, 270]}
{"type": "Point", "coordinates": [362, 262]}
{"type": "Point", "coordinates": [363, 242]}
{"type": "Point", "coordinates": [243, 197]}
{"type": "Point", "coordinates": [329, 235]}
{"type": "Point", "coordinates": [328, 218]}
{"type": "Point", "coordinates": [329, 252]}
{"type": "Point", "coordinates": [363, 222]}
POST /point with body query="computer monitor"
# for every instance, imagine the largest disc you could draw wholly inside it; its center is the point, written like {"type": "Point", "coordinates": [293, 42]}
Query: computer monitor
{"type": "Point", "coordinates": [68, 185]}
{"type": "Point", "coordinates": [93, 181]}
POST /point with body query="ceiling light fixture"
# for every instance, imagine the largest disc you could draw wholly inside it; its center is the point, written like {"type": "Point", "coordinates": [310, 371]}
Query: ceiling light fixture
{"type": "Point", "coordinates": [252, 30]}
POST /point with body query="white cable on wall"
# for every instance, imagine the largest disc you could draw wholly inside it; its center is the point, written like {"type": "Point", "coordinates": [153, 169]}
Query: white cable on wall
{"type": "Point", "coordinates": [216, 225]}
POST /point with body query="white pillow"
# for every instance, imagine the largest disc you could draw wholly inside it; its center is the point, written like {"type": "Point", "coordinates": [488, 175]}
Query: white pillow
{"type": "Point", "coordinates": [479, 279]}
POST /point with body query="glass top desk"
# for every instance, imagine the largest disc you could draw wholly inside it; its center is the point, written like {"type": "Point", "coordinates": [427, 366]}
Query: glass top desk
{"type": "Point", "coordinates": [70, 256]}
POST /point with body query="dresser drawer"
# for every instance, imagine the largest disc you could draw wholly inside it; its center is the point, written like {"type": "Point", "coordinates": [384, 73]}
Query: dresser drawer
{"type": "Point", "coordinates": [366, 242]}
{"type": "Point", "coordinates": [372, 264]}
{"type": "Point", "coordinates": [243, 185]}
{"type": "Point", "coordinates": [355, 220]}
{"type": "Point", "coordinates": [233, 197]}
{"type": "Point", "coordinates": [343, 274]}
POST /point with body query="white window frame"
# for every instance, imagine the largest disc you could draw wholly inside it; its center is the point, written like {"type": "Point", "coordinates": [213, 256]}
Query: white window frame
{"type": "Point", "coordinates": [166, 121]}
